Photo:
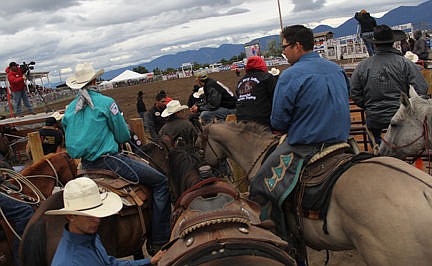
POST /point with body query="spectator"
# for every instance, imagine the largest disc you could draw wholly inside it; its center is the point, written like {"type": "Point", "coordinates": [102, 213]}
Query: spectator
{"type": "Point", "coordinates": [367, 24]}
{"type": "Point", "coordinates": [164, 94]}
{"type": "Point", "coordinates": [405, 46]}
{"type": "Point", "coordinates": [19, 91]}
{"type": "Point", "coordinates": [420, 46]}
{"type": "Point", "coordinates": [377, 82]}
{"type": "Point", "coordinates": [177, 129]}
{"type": "Point", "coordinates": [140, 105]}
{"type": "Point", "coordinates": [309, 97]}
{"type": "Point", "coordinates": [411, 42]}
{"type": "Point", "coordinates": [153, 121]}
{"type": "Point", "coordinates": [255, 93]}
{"type": "Point", "coordinates": [219, 100]}
{"type": "Point", "coordinates": [51, 136]}
{"type": "Point", "coordinates": [84, 208]}
{"type": "Point", "coordinates": [94, 129]}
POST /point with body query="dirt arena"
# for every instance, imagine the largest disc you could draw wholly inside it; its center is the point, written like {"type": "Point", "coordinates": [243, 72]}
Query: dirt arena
{"type": "Point", "coordinates": [181, 89]}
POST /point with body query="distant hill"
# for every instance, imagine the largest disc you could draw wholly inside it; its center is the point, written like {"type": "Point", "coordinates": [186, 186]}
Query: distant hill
{"type": "Point", "coordinates": [420, 16]}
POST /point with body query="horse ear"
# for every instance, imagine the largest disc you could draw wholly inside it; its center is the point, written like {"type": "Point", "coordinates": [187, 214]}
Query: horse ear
{"type": "Point", "coordinates": [405, 100]}
{"type": "Point", "coordinates": [412, 92]}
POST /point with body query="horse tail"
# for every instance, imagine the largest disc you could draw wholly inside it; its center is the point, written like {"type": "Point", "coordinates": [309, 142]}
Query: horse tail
{"type": "Point", "coordinates": [33, 245]}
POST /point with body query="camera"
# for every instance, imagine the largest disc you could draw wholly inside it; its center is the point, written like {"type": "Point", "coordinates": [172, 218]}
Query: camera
{"type": "Point", "coordinates": [25, 68]}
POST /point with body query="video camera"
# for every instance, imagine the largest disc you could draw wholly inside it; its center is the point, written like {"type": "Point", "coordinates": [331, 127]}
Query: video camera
{"type": "Point", "coordinates": [25, 68]}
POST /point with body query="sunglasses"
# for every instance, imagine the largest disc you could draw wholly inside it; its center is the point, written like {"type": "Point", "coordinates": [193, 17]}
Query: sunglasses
{"type": "Point", "coordinates": [284, 46]}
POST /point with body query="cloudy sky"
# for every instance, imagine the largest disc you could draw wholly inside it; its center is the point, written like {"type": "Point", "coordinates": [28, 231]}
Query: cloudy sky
{"type": "Point", "coordinates": [116, 33]}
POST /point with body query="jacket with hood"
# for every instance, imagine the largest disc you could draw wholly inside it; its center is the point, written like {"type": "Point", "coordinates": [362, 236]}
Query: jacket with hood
{"type": "Point", "coordinates": [16, 79]}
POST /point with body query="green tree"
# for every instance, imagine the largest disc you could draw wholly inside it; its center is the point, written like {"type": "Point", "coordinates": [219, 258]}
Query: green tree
{"type": "Point", "coordinates": [223, 61]}
{"type": "Point", "coordinates": [140, 69]}
{"type": "Point", "coordinates": [273, 48]}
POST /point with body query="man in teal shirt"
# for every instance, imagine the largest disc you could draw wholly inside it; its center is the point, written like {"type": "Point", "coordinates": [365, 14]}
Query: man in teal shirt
{"type": "Point", "coordinates": [94, 128]}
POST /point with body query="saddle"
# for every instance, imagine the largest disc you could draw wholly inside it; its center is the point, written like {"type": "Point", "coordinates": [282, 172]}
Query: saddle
{"type": "Point", "coordinates": [212, 221]}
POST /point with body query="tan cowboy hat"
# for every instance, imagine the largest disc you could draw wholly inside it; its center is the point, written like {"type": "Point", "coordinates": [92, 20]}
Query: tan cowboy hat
{"type": "Point", "coordinates": [84, 73]}
{"type": "Point", "coordinates": [411, 56]}
{"type": "Point", "coordinates": [81, 197]}
{"type": "Point", "coordinates": [198, 93]}
{"type": "Point", "coordinates": [173, 107]}
{"type": "Point", "coordinates": [274, 71]}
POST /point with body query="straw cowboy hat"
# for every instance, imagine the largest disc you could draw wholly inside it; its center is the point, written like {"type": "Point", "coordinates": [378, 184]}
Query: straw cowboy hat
{"type": "Point", "coordinates": [81, 197]}
{"type": "Point", "coordinates": [384, 34]}
{"type": "Point", "coordinates": [411, 56]}
{"type": "Point", "coordinates": [198, 93]}
{"type": "Point", "coordinates": [84, 73]}
{"type": "Point", "coordinates": [173, 107]}
{"type": "Point", "coordinates": [274, 71]}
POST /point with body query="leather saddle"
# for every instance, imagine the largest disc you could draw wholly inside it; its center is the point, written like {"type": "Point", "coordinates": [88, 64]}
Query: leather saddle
{"type": "Point", "coordinates": [212, 221]}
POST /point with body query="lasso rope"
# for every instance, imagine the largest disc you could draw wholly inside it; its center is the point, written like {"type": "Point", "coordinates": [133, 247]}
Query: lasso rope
{"type": "Point", "coordinates": [10, 226]}
{"type": "Point", "coordinates": [20, 179]}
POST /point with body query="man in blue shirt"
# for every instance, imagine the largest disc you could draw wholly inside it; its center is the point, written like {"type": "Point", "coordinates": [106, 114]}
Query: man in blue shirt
{"type": "Point", "coordinates": [311, 105]}
{"type": "Point", "coordinates": [84, 208]}
{"type": "Point", "coordinates": [94, 128]}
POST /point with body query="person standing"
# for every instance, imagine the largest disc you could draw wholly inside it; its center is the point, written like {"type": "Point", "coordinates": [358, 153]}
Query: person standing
{"type": "Point", "coordinates": [140, 105]}
{"type": "Point", "coordinates": [255, 93]}
{"type": "Point", "coordinates": [219, 100]}
{"type": "Point", "coordinates": [420, 46]}
{"type": "Point", "coordinates": [80, 244]}
{"type": "Point", "coordinates": [19, 90]}
{"type": "Point", "coordinates": [51, 136]}
{"type": "Point", "coordinates": [367, 24]}
{"type": "Point", "coordinates": [94, 129]}
{"type": "Point", "coordinates": [309, 97]}
{"type": "Point", "coordinates": [377, 82]}
{"type": "Point", "coordinates": [153, 121]}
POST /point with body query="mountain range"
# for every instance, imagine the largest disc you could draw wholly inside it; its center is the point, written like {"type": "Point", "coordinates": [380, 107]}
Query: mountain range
{"type": "Point", "coordinates": [419, 15]}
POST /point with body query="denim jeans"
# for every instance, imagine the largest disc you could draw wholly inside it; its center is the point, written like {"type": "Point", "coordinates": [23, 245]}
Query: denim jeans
{"type": "Point", "coordinates": [132, 170]}
{"type": "Point", "coordinates": [18, 214]}
{"type": "Point", "coordinates": [21, 96]}
{"type": "Point", "coordinates": [369, 47]}
{"type": "Point", "coordinates": [220, 113]}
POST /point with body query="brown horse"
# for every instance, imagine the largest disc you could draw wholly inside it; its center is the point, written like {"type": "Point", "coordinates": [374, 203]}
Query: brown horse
{"type": "Point", "coordinates": [123, 234]}
{"type": "Point", "coordinates": [381, 206]}
{"type": "Point", "coordinates": [213, 225]}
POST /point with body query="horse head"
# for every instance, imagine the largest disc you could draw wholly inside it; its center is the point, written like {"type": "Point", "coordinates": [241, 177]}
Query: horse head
{"type": "Point", "coordinates": [409, 131]}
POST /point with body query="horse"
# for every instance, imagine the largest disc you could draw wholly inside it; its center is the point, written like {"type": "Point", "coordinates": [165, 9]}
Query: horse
{"type": "Point", "coordinates": [213, 225]}
{"type": "Point", "coordinates": [410, 131]}
{"type": "Point", "coordinates": [381, 206]}
{"type": "Point", "coordinates": [123, 234]}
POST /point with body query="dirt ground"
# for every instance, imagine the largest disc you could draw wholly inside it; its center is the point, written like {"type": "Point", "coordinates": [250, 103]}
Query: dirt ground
{"type": "Point", "coordinates": [181, 89]}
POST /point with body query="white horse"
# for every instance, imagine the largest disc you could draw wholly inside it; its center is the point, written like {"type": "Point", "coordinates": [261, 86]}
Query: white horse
{"type": "Point", "coordinates": [410, 131]}
{"type": "Point", "coordinates": [382, 207]}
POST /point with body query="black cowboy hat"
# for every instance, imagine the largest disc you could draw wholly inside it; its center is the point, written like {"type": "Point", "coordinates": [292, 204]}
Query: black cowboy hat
{"type": "Point", "coordinates": [384, 34]}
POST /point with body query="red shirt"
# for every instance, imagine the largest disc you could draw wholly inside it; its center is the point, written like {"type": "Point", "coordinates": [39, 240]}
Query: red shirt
{"type": "Point", "coordinates": [16, 79]}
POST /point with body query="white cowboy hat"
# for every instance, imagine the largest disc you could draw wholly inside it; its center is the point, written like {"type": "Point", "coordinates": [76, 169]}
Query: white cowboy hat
{"type": "Point", "coordinates": [411, 56]}
{"type": "Point", "coordinates": [274, 71]}
{"type": "Point", "coordinates": [84, 73]}
{"type": "Point", "coordinates": [81, 197]}
{"type": "Point", "coordinates": [173, 107]}
{"type": "Point", "coordinates": [198, 93]}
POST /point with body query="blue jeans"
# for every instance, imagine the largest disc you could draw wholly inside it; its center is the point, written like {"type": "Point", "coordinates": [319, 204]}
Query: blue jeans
{"type": "Point", "coordinates": [18, 214]}
{"type": "Point", "coordinates": [133, 169]}
{"type": "Point", "coordinates": [220, 113]}
{"type": "Point", "coordinates": [21, 96]}
{"type": "Point", "coordinates": [369, 47]}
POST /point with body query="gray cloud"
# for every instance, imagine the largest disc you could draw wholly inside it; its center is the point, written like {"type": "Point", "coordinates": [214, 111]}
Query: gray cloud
{"type": "Point", "coordinates": [307, 5]}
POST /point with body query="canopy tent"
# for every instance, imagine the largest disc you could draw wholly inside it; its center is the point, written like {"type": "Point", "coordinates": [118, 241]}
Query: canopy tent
{"type": "Point", "coordinates": [128, 74]}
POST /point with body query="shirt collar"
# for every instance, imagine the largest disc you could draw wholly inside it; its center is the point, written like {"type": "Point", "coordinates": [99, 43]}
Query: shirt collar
{"type": "Point", "coordinates": [78, 238]}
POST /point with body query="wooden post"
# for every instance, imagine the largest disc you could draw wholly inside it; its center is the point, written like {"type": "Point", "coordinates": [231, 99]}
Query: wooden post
{"type": "Point", "coordinates": [35, 144]}
{"type": "Point", "coordinates": [137, 126]}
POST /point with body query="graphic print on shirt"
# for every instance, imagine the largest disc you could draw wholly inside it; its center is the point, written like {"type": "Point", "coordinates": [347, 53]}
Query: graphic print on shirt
{"type": "Point", "coordinates": [245, 89]}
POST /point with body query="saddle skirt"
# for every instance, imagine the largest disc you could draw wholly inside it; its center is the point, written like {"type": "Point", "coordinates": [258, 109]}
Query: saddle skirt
{"type": "Point", "coordinates": [212, 221]}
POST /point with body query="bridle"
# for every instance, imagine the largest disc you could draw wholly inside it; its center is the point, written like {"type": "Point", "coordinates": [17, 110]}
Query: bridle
{"type": "Point", "coordinates": [424, 135]}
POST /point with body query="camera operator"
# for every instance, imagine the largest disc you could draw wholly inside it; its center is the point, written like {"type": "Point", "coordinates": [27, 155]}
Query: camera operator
{"type": "Point", "coordinates": [17, 81]}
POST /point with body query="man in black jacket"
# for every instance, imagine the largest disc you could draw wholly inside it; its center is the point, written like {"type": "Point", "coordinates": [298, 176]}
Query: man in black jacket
{"type": "Point", "coordinates": [367, 24]}
{"type": "Point", "coordinates": [219, 100]}
{"type": "Point", "coordinates": [255, 93]}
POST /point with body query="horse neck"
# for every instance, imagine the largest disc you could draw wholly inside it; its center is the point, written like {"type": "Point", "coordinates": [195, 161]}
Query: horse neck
{"type": "Point", "coordinates": [245, 148]}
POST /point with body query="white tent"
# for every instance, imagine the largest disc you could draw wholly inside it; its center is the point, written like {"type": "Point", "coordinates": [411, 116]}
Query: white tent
{"type": "Point", "coordinates": [126, 75]}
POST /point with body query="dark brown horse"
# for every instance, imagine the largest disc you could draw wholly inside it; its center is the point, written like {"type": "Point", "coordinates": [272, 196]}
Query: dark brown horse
{"type": "Point", "coordinates": [123, 234]}
{"type": "Point", "coordinates": [213, 225]}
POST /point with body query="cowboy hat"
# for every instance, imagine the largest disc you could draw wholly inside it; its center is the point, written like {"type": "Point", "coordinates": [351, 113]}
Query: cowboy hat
{"type": "Point", "coordinates": [384, 34]}
{"type": "Point", "coordinates": [411, 56]}
{"type": "Point", "coordinates": [274, 71]}
{"type": "Point", "coordinates": [173, 107]}
{"type": "Point", "coordinates": [84, 73]}
{"type": "Point", "coordinates": [81, 197]}
{"type": "Point", "coordinates": [198, 93]}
